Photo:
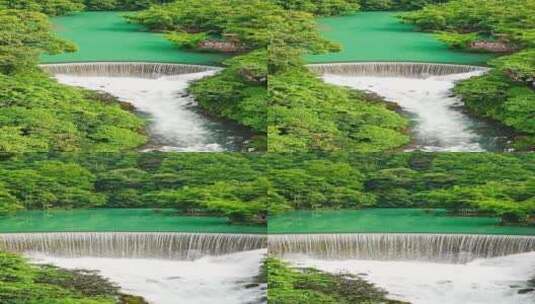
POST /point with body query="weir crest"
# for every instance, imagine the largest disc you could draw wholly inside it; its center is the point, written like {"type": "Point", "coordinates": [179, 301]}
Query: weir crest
{"type": "Point", "coordinates": [447, 248]}
{"type": "Point", "coordinates": [394, 69]}
{"type": "Point", "coordinates": [125, 69]}
{"type": "Point", "coordinates": [164, 245]}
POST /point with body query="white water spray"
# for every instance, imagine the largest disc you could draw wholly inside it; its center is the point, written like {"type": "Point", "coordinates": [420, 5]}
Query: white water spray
{"type": "Point", "coordinates": [499, 280]}
{"type": "Point", "coordinates": [227, 279]}
{"type": "Point", "coordinates": [157, 90]}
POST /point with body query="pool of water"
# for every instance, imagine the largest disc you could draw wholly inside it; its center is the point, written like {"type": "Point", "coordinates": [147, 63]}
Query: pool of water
{"type": "Point", "coordinates": [379, 36]}
{"type": "Point", "coordinates": [395, 220]}
{"type": "Point", "coordinates": [107, 36]}
{"type": "Point", "coordinates": [118, 220]}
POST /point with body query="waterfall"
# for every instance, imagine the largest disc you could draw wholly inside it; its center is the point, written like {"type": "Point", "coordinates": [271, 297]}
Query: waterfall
{"type": "Point", "coordinates": [132, 244]}
{"type": "Point", "coordinates": [393, 69]}
{"type": "Point", "coordinates": [450, 248]}
{"type": "Point", "coordinates": [125, 69]}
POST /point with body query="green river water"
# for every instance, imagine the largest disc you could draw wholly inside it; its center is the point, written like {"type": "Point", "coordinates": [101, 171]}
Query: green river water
{"type": "Point", "coordinates": [118, 220]}
{"type": "Point", "coordinates": [107, 36]}
{"type": "Point", "coordinates": [400, 220]}
{"type": "Point", "coordinates": [380, 36]}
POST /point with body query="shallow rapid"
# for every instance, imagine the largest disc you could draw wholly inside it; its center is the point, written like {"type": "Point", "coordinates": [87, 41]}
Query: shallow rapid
{"type": "Point", "coordinates": [226, 279]}
{"type": "Point", "coordinates": [176, 123]}
{"type": "Point", "coordinates": [439, 123]}
{"type": "Point", "coordinates": [503, 280]}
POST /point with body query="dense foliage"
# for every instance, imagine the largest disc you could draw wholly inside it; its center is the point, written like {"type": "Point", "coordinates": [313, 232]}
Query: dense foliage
{"type": "Point", "coordinates": [244, 187]}
{"type": "Point", "coordinates": [506, 94]}
{"type": "Point", "coordinates": [49, 7]}
{"type": "Point", "coordinates": [230, 185]}
{"type": "Point", "coordinates": [396, 5]}
{"type": "Point", "coordinates": [37, 113]}
{"type": "Point", "coordinates": [124, 5]}
{"type": "Point", "coordinates": [308, 114]}
{"type": "Point", "coordinates": [320, 7]}
{"type": "Point", "coordinates": [23, 283]}
{"type": "Point", "coordinates": [343, 7]}
{"type": "Point", "coordinates": [24, 35]}
{"type": "Point", "coordinates": [302, 286]}
{"type": "Point", "coordinates": [64, 7]}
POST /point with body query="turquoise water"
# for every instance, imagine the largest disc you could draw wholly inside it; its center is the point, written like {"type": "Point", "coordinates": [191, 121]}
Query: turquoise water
{"type": "Point", "coordinates": [380, 36]}
{"type": "Point", "coordinates": [107, 36]}
{"type": "Point", "coordinates": [118, 220]}
{"type": "Point", "coordinates": [389, 221]}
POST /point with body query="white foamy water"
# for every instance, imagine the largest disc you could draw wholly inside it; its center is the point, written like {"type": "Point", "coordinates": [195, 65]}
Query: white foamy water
{"type": "Point", "coordinates": [438, 124]}
{"type": "Point", "coordinates": [174, 125]}
{"type": "Point", "coordinates": [207, 280]}
{"type": "Point", "coordinates": [482, 281]}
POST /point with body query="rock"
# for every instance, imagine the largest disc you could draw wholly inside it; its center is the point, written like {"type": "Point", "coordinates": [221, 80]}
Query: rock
{"type": "Point", "coordinates": [526, 290]}
{"type": "Point", "coordinates": [493, 46]}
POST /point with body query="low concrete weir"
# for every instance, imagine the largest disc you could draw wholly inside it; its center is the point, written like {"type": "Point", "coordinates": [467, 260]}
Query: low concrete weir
{"type": "Point", "coordinates": [394, 69]}
{"type": "Point", "coordinates": [447, 248]}
{"type": "Point", "coordinates": [125, 69]}
{"type": "Point", "coordinates": [160, 245]}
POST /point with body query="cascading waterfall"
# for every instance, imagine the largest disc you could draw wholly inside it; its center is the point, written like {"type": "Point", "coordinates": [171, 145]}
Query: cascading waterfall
{"type": "Point", "coordinates": [125, 69]}
{"type": "Point", "coordinates": [158, 90]}
{"type": "Point", "coordinates": [393, 69]}
{"type": "Point", "coordinates": [448, 248]}
{"type": "Point", "coordinates": [423, 90]}
{"type": "Point", "coordinates": [161, 245]}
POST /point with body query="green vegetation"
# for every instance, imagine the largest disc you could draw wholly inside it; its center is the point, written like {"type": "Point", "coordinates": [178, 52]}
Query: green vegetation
{"type": "Point", "coordinates": [243, 187]}
{"type": "Point", "coordinates": [230, 185]}
{"type": "Point", "coordinates": [289, 285]}
{"type": "Point", "coordinates": [343, 7]}
{"type": "Point", "coordinates": [25, 35]}
{"type": "Point", "coordinates": [23, 283]}
{"type": "Point", "coordinates": [320, 7]}
{"type": "Point", "coordinates": [307, 114]}
{"type": "Point", "coordinates": [49, 7]}
{"type": "Point", "coordinates": [396, 5]}
{"type": "Point", "coordinates": [463, 183]}
{"type": "Point", "coordinates": [64, 7]}
{"type": "Point", "coordinates": [123, 5]}
{"type": "Point", "coordinates": [37, 113]}
{"type": "Point", "coordinates": [506, 94]}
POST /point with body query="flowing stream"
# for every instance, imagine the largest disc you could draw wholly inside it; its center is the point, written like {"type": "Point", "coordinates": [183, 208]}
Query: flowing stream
{"type": "Point", "coordinates": [227, 279]}
{"type": "Point", "coordinates": [162, 267]}
{"type": "Point", "coordinates": [158, 91]}
{"type": "Point", "coordinates": [499, 280]}
{"type": "Point", "coordinates": [423, 91]}
{"type": "Point", "coordinates": [423, 268]}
